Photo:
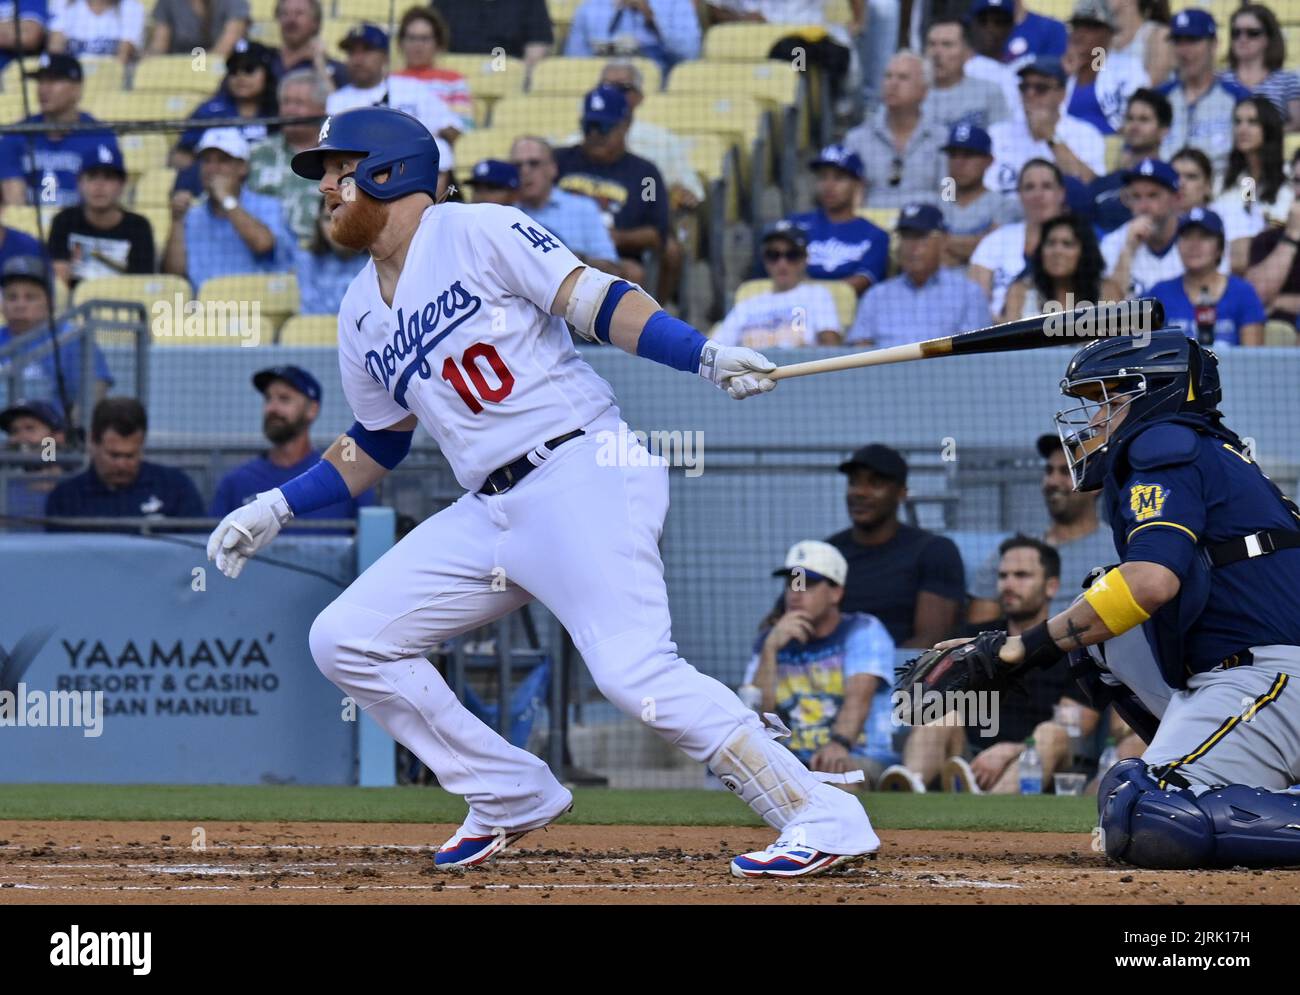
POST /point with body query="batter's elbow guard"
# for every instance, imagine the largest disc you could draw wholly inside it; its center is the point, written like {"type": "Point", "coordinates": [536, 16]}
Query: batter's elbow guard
{"type": "Point", "coordinates": [385, 447]}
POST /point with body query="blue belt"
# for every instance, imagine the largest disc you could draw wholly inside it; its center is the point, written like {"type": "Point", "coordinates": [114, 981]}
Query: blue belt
{"type": "Point", "coordinates": [503, 478]}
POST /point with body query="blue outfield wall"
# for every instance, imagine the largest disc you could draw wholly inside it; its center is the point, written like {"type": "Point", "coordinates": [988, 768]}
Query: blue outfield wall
{"type": "Point", "coordinates": [209, 685]}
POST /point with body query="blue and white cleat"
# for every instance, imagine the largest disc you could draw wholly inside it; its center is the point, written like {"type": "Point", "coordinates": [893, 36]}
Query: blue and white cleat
{"type": "Point", "coordinates": [464, 850]}
{"type": "Point", "coordinates": [789, 859]}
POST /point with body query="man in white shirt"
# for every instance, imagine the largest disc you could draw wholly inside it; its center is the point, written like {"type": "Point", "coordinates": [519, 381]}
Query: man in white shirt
{"type": "Point", "coordinates": [1142, 252]}
{"type": "Point", "coordinates": [1044, 132]}
{"type": "Point", "coordinates": [794, 312]}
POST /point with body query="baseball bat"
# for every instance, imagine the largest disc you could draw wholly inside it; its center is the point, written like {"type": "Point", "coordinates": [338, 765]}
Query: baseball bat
{"type": "Point", "coordinates": [1088, 321]}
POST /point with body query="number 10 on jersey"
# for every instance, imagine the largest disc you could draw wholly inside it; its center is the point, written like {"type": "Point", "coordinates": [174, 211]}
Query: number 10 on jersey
{"type": "Point", "coordinates": [469, 359]}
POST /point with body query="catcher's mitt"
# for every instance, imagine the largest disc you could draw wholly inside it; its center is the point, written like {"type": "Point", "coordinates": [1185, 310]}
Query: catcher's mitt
{"type": "Point", "coordinates": [972, 666]}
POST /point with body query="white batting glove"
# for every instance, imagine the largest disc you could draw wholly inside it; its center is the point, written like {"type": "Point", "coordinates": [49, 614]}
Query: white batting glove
{"type": "Point", "coordinates": [246, 530]}
{"type": "Point", "coordinates": [737, 370]}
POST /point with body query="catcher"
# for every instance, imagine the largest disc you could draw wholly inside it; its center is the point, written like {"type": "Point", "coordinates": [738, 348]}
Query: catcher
{"type": "Point", "coordinates": [1194, 636]}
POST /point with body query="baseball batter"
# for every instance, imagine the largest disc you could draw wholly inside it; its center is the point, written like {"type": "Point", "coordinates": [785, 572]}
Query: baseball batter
{"type": "Point", "coordinates": [458, 323]}
{"type": "Point", "coordinates": [1195, 635]}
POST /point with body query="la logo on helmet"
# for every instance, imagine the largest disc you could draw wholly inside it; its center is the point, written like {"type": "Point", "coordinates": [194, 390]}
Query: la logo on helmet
{"type": "Point", "coordinates": [324, 130]}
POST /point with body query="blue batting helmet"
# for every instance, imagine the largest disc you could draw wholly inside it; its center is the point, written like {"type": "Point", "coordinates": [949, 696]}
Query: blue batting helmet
{"type": "Point", "coordinates": [390, 140]}
{"type": "Point", "coordinates": [1144, 378]}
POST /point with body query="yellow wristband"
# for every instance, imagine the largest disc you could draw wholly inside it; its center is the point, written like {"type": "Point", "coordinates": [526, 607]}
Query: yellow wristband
{"type": "Point", "coordinates": [1114, 603]}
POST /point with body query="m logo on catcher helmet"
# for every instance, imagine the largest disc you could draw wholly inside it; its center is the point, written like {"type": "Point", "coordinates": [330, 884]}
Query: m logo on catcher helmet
{"type": "Point", "coordinates": [1147, 501]}
{"type": "Point", "coordinates": [324, 130]}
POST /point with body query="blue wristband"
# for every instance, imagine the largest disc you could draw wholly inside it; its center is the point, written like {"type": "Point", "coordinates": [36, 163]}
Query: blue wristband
{"type": "Point", "coordinates": [317, 488]}
{"type": "Point", "coordinates": [385, 447]}
{"type": "Point", "coordinates": [671, 341]}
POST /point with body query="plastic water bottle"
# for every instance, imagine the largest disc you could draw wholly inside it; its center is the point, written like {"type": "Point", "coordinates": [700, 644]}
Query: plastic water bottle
{"type": "Point", "coordinates": [1109, 756]}
{"type": "Point", "coordinates": [1031, 770]}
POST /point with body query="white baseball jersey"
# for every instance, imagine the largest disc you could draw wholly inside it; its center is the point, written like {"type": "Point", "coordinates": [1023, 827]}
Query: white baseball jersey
{"type": "Point", "coordinates": [1013, 146]}
{"type": "Point", "coordinates": [469, 345]}
{"type": "Point", "coordinates": [1148, 268]}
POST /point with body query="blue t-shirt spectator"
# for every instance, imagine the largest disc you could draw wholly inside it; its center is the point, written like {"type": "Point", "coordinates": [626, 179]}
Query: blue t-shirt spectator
{"type": "Point", "coordinates": [28, 10]}
{"type": "Point", "coordinates": [158, 490]}
{"type": "Point", "coordinates": [616, 187]}
{"type": "Point", "coordinates": [214, 248]}
{"type": "Point", "coordinates": [41, 377]}
{"type": "Point", "coordinates": [323, 279]}
{"type": "Point", "coordinates": [810, 685]}
{"type": "Point", "coordinates": [673, 37]}
{"type": "Point", "coordinates": [50, 167]}
{"type": "Point", "coordinates": [1240, 305]}
{"type": "Point", "coordinates": [840, 249]}
{"type": "Point", "coordinates": [247, 480]}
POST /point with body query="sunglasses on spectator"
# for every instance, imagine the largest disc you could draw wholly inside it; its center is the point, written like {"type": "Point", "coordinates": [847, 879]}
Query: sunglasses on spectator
{"type": "Point", "coordinates": [776, 255]}
{"type": "Point", "coordinates": [1248, 33]}
{"type": "Point", "coordinates": [896, 172]}
{"type": "Point", "coordinates": [1037, 88]}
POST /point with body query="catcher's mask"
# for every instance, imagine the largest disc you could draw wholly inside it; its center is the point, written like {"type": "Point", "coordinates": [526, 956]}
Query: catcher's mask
{"type": "Point", "coordinates": [1125, 383]}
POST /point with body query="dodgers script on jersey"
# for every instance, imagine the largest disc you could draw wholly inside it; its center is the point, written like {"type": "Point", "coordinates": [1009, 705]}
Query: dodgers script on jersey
{"type": "Point", "coordinates": [469, 345]}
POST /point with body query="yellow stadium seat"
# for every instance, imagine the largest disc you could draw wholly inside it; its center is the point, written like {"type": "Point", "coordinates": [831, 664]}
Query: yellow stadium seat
{"type": "Point", "coordinates": [266, 32]}
{"type": "Point", "coordinates": [552, 117]}
{"type": "Point", "coordinates": [846, 301]}
{"type": "Point", "coordinates": [275, 293]}
{"type": "Point", "coordinates": [473, 147]}
{"type": "Point", "coordinates": [838, 12]}
{"type": "Point", "coordinates": [12, 73]}
{"type": "Point", "coordinates": [482, 110]}
{"type": "Point", "coordinates": [310, 329]}
{"type": "Point", "coordinates": [154, 188]}
{"type": "Point", "coordinates": [562, 11]}
{"type": "Point", "coordinates": [147, 290]}
{"type": "Point", "coordinates": [160, 220]}
{"type": "Point", "coordinates": [738, 117]}
{"type": "Point", "coordinates": [135, 106]}
{"type": "Point", "coordinates": [767, 79]}
{"type": "Point", "coordinates": [220, 323]}
{"type": "Point", "coordinates": [574, 75]}
{"type": "Point", "coordinates": [1279, 333]}
{"type": "Point", "coordinates": [262, 10]}
{"type": "Point", "coordinates": [1114, 150]}
{"type": "Point", "coordinates": [102, 75]}
{"type": "Point", "coordinates": [24, 218]}
{"type": "Point", "coordinates": [177, 74]}
{"type": "Point", "coordinates": [487, 76]}
{"type": "Point", "coordinates": [374, 11]}
{"type": "Point", "coordinates": [12, 108]}
{"type": "Point", "coordinates": [143, 151]}
{"type": "Point", "coordinates": [884, 218]}
{"type": "Point", "coordinates": [746, 42]}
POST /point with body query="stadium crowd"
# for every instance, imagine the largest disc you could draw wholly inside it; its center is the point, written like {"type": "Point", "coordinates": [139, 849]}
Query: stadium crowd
{"type": "Point", "coordinates": [984, 161]}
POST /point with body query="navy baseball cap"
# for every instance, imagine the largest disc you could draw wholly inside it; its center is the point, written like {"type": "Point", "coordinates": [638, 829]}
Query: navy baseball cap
{"type": "Point", "coordinates": [25, 268]}
{"type": "Point", "coordinates": [105, 157]}
{"type": "Point", "coordinates": [923, 218]}
{"type": "Point", "coordinates": [495, 173]}
{"type": "Point", "coordinates": [57, 66]}
{"type": "Point", "coordinates": [978, 7]}
{"type": "Point", "coordinates": [965, 137]}
{"type": "Point", "coordinates": [1155, 171]}
{"type": "Point", "coordinates": [787, 230]}
{"type": "Point", "coordinates": [1044, 65]}
{"type": "Point", "coordinates": [248, 53]}
{"type": "Point", "coordinates": [1193, 23]}
{"type": "Point", "coordinates": [42, 411]}
{"type": "Point", "coordinates": [369, 35]}
{"type": "Point", "coordinates": [1201, 217]}
{"type": "Point", "coordinates": [605, 107]}
{"type": "Point", "coordinates": [295, 376]}
{"type": "Point", "coordinates": [841, 158]}
{"type": "Point", "coordinates": [881, 458]}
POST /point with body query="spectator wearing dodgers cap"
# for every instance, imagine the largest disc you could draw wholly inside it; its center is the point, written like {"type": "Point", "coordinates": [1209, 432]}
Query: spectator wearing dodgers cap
{"type": "Point", "coordinates": [28, 162]}
{"type": "Point", "coordinates": [290, 404]}
{"type": "Point", "coordinates": [972, 210]}
{"type": "Point", "coordinates": [828, 674]}
{"type": "Point", "coordinates": [1201, 98]}
{"type": "Point", "coordinates": [230, 230]}
{"type": "Point", "coordinates": [495, 182]}
{"type": "Point", "coordinates": [1204, 302]}
{"type": "Point", "coordinates": [841, 245]}
{"type": "Point", "coordinates": [98, 237]}
{"type": "Point", "coordinates": [926, 300]}
{"type": "Point", "coordinates": [795, 312]}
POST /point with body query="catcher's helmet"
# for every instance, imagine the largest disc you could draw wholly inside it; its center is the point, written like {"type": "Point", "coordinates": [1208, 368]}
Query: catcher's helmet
{"type": "Point", "coordinates": [389, 139]}
{"type": "Point", "coordinates": [1145, 378]}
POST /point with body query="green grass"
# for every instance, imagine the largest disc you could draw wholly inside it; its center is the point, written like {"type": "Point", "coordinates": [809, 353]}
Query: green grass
{"type": "Point", "coordinates": [594, 806]}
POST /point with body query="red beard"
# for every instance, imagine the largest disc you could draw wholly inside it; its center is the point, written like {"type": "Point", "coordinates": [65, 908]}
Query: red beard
{"type": "Point", "coordinates": [360, 223]}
